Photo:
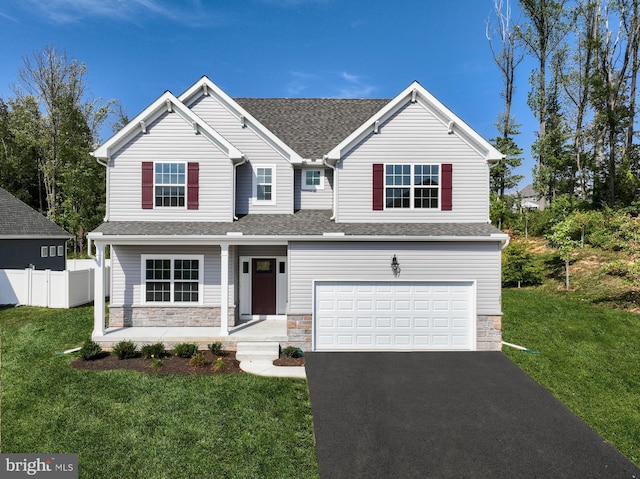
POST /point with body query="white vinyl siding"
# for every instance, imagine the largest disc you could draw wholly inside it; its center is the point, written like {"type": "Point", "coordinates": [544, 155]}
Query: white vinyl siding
{"type": "Point", "coordinates": [128, 284]}
{"type": "Point", "coordinates": [314, 199]}
{"type": "Point", "coordinates": [257, 152]}
{"type": "Point", "coordinates": [328, 261]}
{"type": "Point", "coordinates": [170, 139]}
{"type": "Point", "coordinates": [413, 136]}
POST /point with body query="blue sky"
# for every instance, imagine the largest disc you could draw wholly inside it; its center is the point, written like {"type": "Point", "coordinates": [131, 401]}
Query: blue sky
{"type": "Point", "coordinates": [135, 50]}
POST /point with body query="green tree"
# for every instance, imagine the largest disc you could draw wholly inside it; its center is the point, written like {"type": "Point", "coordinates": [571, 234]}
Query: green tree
{"type": "Point", "coordinates": [63, 138]}
{"type": "Point", "coordinates": [519, 266]}
{"type": "Point", "coordinates": [562, 238]}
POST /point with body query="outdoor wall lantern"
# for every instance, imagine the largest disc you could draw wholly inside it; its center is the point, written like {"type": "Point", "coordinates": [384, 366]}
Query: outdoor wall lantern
{"type": "Point", "coordinates": [395, 266]}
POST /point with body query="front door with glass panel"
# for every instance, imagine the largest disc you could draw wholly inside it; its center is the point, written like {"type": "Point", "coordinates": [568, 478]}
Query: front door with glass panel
{"type": "Point", "coordinates": [263, 286]}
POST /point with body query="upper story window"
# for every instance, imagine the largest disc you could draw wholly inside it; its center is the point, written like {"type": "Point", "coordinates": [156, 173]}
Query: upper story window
{"type": "Point", "coordinates": [264, 185]}
{"type": "Point", "coordinates": [412, 186]}
{"type": "Point", "coordinates": [172, 279]}
{"type": "Point", "coordinates": [312, 179]}
{"type": "Point", "coordinates": [170, 182]}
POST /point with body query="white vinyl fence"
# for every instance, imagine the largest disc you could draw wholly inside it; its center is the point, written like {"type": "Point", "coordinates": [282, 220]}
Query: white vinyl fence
{"type": "Point", "coordinates": [51, 289]}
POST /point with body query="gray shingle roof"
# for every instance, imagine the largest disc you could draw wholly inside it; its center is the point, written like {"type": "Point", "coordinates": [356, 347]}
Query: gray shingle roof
{"type": "Point", "coordinates": [312, 126]}
{"type": "Point", "coordinates": [19, 220]}
{"type": "Point", "coordinates": [302, 223]}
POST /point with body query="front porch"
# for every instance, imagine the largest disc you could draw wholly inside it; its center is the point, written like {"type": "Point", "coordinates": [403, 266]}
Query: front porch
{"type": "Point", "coordinates": [259, 330]}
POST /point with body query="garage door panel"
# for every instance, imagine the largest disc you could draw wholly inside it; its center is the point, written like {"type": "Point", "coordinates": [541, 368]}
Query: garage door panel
{"type": "Point", "coordinates": [398, 316]}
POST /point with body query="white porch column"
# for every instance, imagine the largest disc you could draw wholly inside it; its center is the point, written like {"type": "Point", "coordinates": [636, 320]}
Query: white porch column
{"type": "Point", "coordinates": [98, 293]}
{"type": "Point", "coordinates": [224, 289]}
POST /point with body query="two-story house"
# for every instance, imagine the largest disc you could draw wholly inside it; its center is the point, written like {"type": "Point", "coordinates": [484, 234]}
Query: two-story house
{"type": "Point", "coordinates": [342, 224]}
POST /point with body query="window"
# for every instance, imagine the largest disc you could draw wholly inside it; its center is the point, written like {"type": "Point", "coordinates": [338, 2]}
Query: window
{"type": "Point", "coordinates": [264, 185]}
{"type": "Point", "coordinates": [170, 184]}
{"type": "Point", "coordinates": [412, 186]}
{"type": "Point", "coordinates": [60, 250]}
{"type": "Point", "coordinates": [172, 280]}
{"type": "Point", "coordinates": [52, 251]}
{"type": "Point", "coordinates": [44, 251]}
{"type": "Point", "coordinates": [312, 179]}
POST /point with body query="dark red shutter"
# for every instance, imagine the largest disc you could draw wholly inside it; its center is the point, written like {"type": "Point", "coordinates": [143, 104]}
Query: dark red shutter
{"type": "Point", "coordinates": [378, 187]}
{"type": "Point", "coordinates": [147, 185]}
{"type": "Point", "coordinates": [447, 187]}
{"type": "Point", "coordinates": [193, 175]}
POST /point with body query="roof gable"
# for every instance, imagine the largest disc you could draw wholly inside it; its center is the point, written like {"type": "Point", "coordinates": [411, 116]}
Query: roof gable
{"type": "Point", "coordinates": [416, 93]}
{"type": "Point", "coordinates": [167, 102]}
{"type": "Point", "coordinates": [19, 220]}
{"type": "Point", "coordinates": [205, 87]}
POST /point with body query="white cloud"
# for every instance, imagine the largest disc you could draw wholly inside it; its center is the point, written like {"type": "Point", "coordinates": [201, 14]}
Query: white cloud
{"type": "Point", "coordinates": [71, 11]}
{"type": "Point", "coordinates": [329, 85]}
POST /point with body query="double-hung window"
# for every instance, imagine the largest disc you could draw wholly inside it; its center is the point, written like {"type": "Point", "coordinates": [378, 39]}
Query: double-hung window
{"type": "Point", "coordinates": [170, 183]}
{"type": "Point", "coordinates": [264, 185]}
{"type": "Point", "coordinates": [412, 186]}
{"type": "Point", "coordinates": [172, 279]}
{"type": "Point", "coordinates": [312, 179]}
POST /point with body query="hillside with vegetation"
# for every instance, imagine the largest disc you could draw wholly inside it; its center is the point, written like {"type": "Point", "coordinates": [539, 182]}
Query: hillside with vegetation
{"type": "Point", "coordinates": [590, 255]}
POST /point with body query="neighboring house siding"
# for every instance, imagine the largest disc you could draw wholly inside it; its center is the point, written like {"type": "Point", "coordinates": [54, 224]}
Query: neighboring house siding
{"type": "Point", "coordinates": [257, 152]}
{"type": "Point", "coordinates": [170, 139]}
{"type": "Point", "coordinates": [319, 199]}
{"type": "Point", "coordinates": [126, 270]}
{"type": "Point", "coordinates": [23, 253]}
{"type": "Point", "coordinates": [413, 135]}
{"type": "Point", "coordinates": [371, 262]}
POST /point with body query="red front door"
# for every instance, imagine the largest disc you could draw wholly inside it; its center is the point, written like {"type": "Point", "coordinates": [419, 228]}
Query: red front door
{"type": "Point", "coordinates": [263, 286]}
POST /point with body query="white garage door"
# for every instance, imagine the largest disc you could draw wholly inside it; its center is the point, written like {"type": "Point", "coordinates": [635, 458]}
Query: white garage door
{"type": "Point", "coordinates": [386, 316]}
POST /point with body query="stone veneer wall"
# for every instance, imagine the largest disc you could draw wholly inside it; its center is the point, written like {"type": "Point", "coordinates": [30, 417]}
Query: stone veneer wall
{"type": "Point", "coordinates": [299, 329]}
{"type": "Point", "coordinates": [123, 316]}
{"type": "Point", "coordinates": [488, 332]}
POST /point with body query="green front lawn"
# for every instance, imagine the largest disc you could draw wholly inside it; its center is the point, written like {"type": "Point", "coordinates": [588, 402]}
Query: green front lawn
{"type": "Point", "coordinates": [589, 359]}
{"type": "Point", "coordinates": [131, 425]}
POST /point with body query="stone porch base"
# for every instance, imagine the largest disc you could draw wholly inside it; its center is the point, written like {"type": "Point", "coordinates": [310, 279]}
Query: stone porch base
{"type": "Point", "coordinates": [125, 316]}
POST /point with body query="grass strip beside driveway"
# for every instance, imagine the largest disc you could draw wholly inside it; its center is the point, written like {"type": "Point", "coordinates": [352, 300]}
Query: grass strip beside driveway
{"type": "Point", "coordinates": [125, 424]}
{"type": "Point", "coordinates": [589, 359]}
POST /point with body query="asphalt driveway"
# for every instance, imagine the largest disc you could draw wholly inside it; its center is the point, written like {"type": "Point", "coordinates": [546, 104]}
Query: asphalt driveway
{"type": "Point", "coordinates": [447, 415]}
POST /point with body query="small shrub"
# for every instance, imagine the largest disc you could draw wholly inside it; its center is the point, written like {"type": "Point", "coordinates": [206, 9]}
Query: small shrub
{"type": "Point", "coordinates": [292, 352]}
{"type": "Point", "coordinates": [124, 350]}
{"type": "Point", "coordinates": [155, 364]}
{"type": "Point", "coordinates": [89, 350]}
{"type": "Point", "coordinates": [519, 266]}
{"type": "Point", "coordinates": [215, 348]}
{"type": "Point", "coordinates": [219, 365]}
{"type": "Point", "coordinates": [198, 360]}
{"type": "Point", "coordinates": [185, 350]}
{"type": "Point", "coordinates": [155, 350]}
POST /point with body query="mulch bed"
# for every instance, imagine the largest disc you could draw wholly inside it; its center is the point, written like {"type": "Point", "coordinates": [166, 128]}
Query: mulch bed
{"type": "Point", "coordinates": [172, 364]}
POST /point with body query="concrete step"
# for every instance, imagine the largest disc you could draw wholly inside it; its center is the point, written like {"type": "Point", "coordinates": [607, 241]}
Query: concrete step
{"type": "Point", "coordinates": [257, 351]}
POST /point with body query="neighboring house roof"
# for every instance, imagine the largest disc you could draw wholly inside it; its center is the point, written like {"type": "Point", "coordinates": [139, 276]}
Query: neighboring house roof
{"type": "Point", "coordinates": [312, 126]}
{"type": "Point", "coordinates": [19, 221]}
{"type": "Point", "coordinates": [529, 192]}
{"type": "Point", "coordinates": [304, 223]}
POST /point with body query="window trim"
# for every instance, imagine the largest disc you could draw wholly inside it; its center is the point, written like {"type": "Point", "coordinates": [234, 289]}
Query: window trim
{"type": "Point", "coordinates": [412, 187]}
{"type": "Point", "coordinates": [185, 185]}
{"type": "Point", "coordinates": [44, 251]}
{"type": "Point", "coordinates": [60, 250]}
{"type": "Point", "coordinates": [303, 180]}
{"type": "Point", "coordinates": [254, 198]}
{"type": "Point", "coordinates": [172, 258]}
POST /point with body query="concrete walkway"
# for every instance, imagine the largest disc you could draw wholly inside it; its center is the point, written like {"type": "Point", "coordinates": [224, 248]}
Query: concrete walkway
{"type": "Point", "coordinates": [256, 357]}
{"type": "Point", "coordinates": [447, 415]}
